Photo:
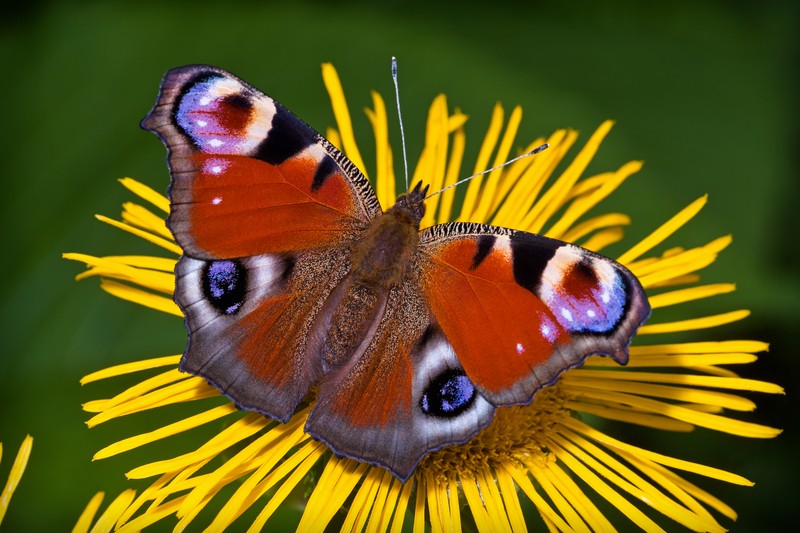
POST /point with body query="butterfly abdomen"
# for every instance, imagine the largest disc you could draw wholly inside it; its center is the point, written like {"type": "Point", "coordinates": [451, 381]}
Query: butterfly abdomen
{"type": "Point", "coordinates": [380, 262]}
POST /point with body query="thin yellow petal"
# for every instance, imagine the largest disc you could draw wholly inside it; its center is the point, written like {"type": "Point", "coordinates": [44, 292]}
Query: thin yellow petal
{"type": "Point", "coordinates": [664, 231]}
{"type": "Point", "coordinates": [524, 483]}
{"type": "Point", "coordinates": [154, 514]}
{"type": "Point", "coordinates": [158, 241]}
{"type": "Point", "coordinates": [87, 516]}
{"type": "Point", "coordinates": [488, 199]}
{"type": "Point", "coordinates": [166, 431]}
{"type": "Point", "coordinates": [342, 114]}
{"type": "Point", "coordinates": [687, 295]}
{"type": "Point", "coordinates": [475, 503]}
{"type": "Point", "coordinates": [14, 476]}
{"type": "Point", "coordinates": [128, 368]}
{"type": "Point", "coordinates": [564, 506]}
{"type": "Point", "coordinates": [517, 209]}
{"type": "Point", "coordinates": [419, 506]}
{"type": "Point", "coordinates": [482, 163]}
{"type": "Point", "coordinates": [710, 421]}
{"type": "Point", "coordinates": [452, 175]}
{"type": "Point", "coordinates": [137, 215]}
{"type": "Point", "coordinates": [580, 384]}
{"type": "Point", "coordinates": [582, 503]}
{"type": "Point", "coordinates": [436, 145]}
{"type": "Point", "coordinates": [138, 390]}
{"type": "Point", "coordinates": [108, 519]}
{"type": "Point", "coordinates": [714, 347]}
{"type": "Point", "coordinates": [335, 485]}
{"type": "Point", "coordinates": [227, 438]}
{"type": "Point", "coordinates": [384, 504]}
{"type": "Point", "coordinates": [141, 297]}
{"type": "Point", "coordinates": [492, 500]}
{"type": "Point", "coordinates": [384, 175]}
{"type": "Point", "coordinates": [402, 505]}
{"type": "Point", "coordinates": [604, 490]}
{"type": "Point", "coordinates": [681, 379]}
{"type": "Point", "coordinates": [437, 513]}
{"type": "Point", "coordinates": [631, 482]}
{"type": "Point", "coordinates": [296, 465]}
{"type": "Point", "coordinates": [510, 500]}
{"type": "Point", "coordinates": [604, 238]}
{"type": "Point", "coordinates": [687, 466]}
{"type": "Point", "coordinates": [682, 361]}
{"type": "Point", "coordinates": [553, 199]}
{"type": "Point", "coordinates": [107, 267]}
{"type": "Point", "coordinates": [188, 389]}
{"type": "Point", "coordinates": [580, 206]}
{"type": "Point", "coordinates": [694, 323]}
{"type": "Point", "coordinates": [143, 191]}
{"type": "Point", "coordinates": [624, 414]}
{"type": "Point", "coordinates": [581, 230]}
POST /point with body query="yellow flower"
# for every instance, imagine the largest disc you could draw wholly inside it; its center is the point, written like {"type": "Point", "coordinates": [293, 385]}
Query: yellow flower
{"type": "Point", "coordinates": [553, 453]}
{"type": "Point", "coordinates": [14, 476]}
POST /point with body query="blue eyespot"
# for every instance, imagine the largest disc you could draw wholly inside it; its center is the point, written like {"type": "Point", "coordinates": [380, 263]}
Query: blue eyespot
{"type": "Point", "coordinates": [448, 395]}
{"type": "Point", "coordinates": [225, 285]}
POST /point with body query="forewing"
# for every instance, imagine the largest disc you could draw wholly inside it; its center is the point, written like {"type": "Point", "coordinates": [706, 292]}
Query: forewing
{"type": "Point", "coordinates": [248, 176]}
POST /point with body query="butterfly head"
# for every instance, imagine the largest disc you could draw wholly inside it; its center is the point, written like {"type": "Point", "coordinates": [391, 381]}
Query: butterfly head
{"type": "Point", "coordinates": [412, 203]}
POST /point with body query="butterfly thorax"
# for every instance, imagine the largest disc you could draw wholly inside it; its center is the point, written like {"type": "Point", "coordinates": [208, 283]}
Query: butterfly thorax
{"type": "Point", "coordinates": [380, 261]}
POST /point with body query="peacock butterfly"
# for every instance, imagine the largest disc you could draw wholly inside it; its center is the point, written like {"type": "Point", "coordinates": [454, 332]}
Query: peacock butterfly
{"type": "Point", "coordinates": [293, 276]}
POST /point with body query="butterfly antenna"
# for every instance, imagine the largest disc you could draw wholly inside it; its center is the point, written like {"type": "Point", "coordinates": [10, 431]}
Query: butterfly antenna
{"type": "Point", "coordinates": [400, 118]}
{"type": "Point", "coordinates": [459, 182]}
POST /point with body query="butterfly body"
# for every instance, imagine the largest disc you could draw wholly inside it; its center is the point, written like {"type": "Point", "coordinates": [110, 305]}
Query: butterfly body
{"type": "Point", "coordinates": [293, 278]}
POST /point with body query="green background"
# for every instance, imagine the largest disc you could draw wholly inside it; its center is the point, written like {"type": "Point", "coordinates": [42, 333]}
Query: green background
{"type": "Point", "coordinates": [704, 92]}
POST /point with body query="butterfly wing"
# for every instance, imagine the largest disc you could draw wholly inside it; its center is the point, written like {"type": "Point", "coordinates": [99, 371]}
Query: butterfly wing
{"type": "Point", "coordinates": [263, 208]}
{"type": "Point", "coordinates": [519, 309]}
{"type": "Point", "coordinates": [248, 176]}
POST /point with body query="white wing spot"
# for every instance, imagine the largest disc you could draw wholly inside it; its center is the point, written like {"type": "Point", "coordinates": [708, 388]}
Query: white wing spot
{"type": "Point", "coordinates": [520, 348]}
{"type": "Point", "coordinates": [205, 100]}
{"type": "Point", "coordinates": [591, 313]}
{"type": "Point", "coordinates": [566, 313]}
{"type": "Point", "coordinates": [216, 143]}
{"type": "Point", "coordinates": [216, 169]}
{"type": "Point", "coordinates": [202, 123]}
{"type": "Point", "coordinates": [217, 200]}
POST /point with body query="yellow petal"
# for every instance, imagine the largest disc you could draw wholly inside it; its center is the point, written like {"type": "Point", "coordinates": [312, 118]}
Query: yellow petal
{"type": "Point", "coordinates": [482, 163]}
{"type": "Point", "coordinates": [687, 466]}
{"type": "Point", "coordinates": [553, 199]}
{"type": "Point", "coordinates": [87, 516]}
{"type": "Point", "coordinates": [143, 191]}
{"type": "Point", "coordinates": [694, 323]}
{"type": "Point", "coordinates": [342, 114]}
{"type": "Point", "coordinates": [664, 231]}
{"type": "Point", "coordinates": [15, 475]}
{"type": "Point", "coordinates": [384, 175]}
{"type": "Point", "coordinates": [166, 431]}
{"type": "Point", "coordinates": [107, 520]}
{"type": "Point", "coordinates": [128, 368]}
{"type": "Point", "coordinates": [141, 297]}
{"type": "Point", "coordinates": [158, 241]}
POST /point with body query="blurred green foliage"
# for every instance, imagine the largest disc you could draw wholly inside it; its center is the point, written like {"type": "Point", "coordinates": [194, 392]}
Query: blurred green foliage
{"type": "Point", "coordinates": [705, 92]}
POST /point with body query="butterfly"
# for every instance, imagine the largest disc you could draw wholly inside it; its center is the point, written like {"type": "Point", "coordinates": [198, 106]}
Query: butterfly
{"type": "Point", "coordinates": [294, 282]}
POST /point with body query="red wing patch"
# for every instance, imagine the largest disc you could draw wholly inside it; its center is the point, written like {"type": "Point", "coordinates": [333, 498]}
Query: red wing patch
{"type": "Point", "coordinates": [499, 330]}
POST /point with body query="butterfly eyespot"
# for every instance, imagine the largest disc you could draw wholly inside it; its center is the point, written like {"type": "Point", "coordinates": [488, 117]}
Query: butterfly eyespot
{"type": "Point", "coordinates": [448, 395]}
{"type": "Point", "coordinates": [225, 285]}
